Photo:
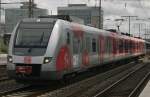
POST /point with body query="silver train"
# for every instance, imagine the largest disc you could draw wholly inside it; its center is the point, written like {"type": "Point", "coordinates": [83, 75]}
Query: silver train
{"type": "Point", "coordinates": [49, 49]}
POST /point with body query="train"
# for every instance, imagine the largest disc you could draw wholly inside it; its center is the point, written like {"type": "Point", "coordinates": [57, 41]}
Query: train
{"type": "Point", "coordinates": [50, 49]}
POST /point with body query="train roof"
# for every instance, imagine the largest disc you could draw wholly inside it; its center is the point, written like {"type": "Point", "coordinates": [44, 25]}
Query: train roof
{"type": "Point", "coordinates": [42, 20]}
{"type": "Point", "coordinates": [85, 28]}
{"type": "Point", "coordinates": [111, 33]}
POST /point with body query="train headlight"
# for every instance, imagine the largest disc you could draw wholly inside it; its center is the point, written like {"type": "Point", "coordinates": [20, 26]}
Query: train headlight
{"type": "Point", "coordinates": [47, 60]}
{"type": "Point", "coordinates": [9, 59]}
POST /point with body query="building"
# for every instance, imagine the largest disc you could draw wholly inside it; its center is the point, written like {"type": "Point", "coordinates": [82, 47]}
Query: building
{"type": "Point", "coordinates": [90, 15]}
{"type": "Point", "coordinates": [13, 15]}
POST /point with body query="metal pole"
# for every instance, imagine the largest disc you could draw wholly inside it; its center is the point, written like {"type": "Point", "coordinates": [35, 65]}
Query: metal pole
{"type": "Point", "coordinates": [118, 28]}
{"type": "Point", "coordinates": [31, 8]}
{"type": "Point", "coordinates": [129, 25]}
{"type": "Point", "coordinates": [145, 33]}
{"type": "Point", "coordinates": [99, 14]}
{"type": "Point", "coordinates": [0, 15]}
{"type": "Point", "coordinates": [139, 29]}
{"type": "Point", "coordinates": [129, 17]}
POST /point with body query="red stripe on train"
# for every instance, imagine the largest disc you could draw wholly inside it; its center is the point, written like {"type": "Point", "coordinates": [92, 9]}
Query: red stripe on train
{"type": "Point", "coordinates": [27, 59]}
{"type": "Point", "coordinates": [64, 59]}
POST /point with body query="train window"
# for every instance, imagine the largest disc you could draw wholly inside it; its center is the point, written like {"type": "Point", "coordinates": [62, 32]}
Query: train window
{"type": "Point", "coordinates": [75, 45]}
{"type": "Point", "coordinates": [98, 45]}
{"type": "Point", "coordinates": [94, 45]}
{"type": "Point", "coordinates": [134, 46]}
{"type": "Point", "coordinates": [130, 46]}
{"type": "Point", "coordinates": [68, 38]}
{"type": "Point", "coordinates": [120, 46]}
{"type": "Point", "coordinates": [108, 45]}
{"type": "Point", "coordinates": [84, 43]}
{"type": "Point", "coordinates": [147, 46]}
{"type": "Point", "coordinates": [33, 35]}
{"type": "Point", "coordinates": [126, 46]}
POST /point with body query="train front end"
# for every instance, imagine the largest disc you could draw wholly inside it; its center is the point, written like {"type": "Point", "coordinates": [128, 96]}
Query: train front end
{"type": "Point", "coordinates": [31, 50]}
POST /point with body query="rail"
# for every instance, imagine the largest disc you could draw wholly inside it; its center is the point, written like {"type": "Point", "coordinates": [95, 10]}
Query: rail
{"type": "Point", "coordinates": [81, 89]}
{"type": "Point", "coordinates": [140, 86]}
{"type": "Point", "coordinates": [123, 80]}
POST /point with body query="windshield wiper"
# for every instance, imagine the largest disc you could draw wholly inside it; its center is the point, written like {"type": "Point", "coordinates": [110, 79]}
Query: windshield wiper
{"type": "Point", "coordinates": [29, 50]}
{"type": "Point", "coordinates": [42, 37]}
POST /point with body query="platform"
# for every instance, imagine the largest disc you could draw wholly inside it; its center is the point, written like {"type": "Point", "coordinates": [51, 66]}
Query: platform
{"type": "Point", "coordinates": [146, 91]}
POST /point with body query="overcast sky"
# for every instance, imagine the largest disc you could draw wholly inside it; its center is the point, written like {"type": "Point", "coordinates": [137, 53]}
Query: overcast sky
{"type": "Point", "coordinates": [113, 9]}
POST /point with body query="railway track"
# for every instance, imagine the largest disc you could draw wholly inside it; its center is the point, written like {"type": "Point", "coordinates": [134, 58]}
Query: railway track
{"type": "Point", "coordinates": [129, 85]}
{"type": "Point", "coordinates": [9, 86]}
{"type": "Point", "coordinates": [85, 88]}
{"type": "Point", "coordinates": [5, 78]}
{"type": "Point", "coordinates": [33, 92]}
{"type": "Point", "coordinates": [3, 73]}
{"type": "Point", "coordinates": [29, 91]}
{"type": "Point", "coordinates": [3, 68]}
{"type": "Point", "coordinates": [90, 87]}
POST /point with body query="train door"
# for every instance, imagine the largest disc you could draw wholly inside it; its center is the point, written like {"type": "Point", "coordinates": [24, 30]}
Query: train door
{"type": "Point", "coordinates": [110, 43]}
{"type": "Point", "coordinates": [114, 48]}
{"type": "Point", "coordinates": [77, 51]}
{"type": "Point", "coordinates": [101, 48]}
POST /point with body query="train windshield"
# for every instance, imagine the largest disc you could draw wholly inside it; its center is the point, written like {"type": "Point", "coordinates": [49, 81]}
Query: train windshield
{"type": "Point", "coordinates": [32, 36]}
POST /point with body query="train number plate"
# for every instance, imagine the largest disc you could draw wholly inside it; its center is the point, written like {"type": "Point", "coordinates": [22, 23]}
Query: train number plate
{"type": "Point", "coordinates": [24, 69]}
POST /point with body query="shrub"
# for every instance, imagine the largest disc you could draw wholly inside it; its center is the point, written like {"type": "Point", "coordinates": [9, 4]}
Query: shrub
{"type": "Point", "coordinates": [3, 47]}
